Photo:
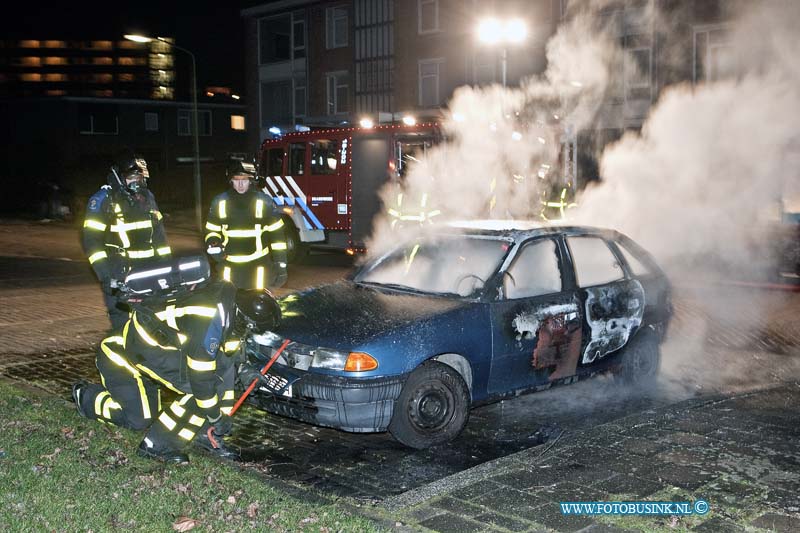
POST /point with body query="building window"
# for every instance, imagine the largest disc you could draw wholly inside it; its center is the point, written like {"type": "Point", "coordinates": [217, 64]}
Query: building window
{"type": "Point", "coordinates": [714, 57]}
{"type": "Point", "coordinates": [335, 27]}
{"type": "Point", "coordinates": [101, 45]}
{"type": "Point", "coordinates": [299, 39]}
{"type": "Point", "coordinates": [29, 44]}
{"type": "Point", "coordinates": [427, 16]}
{"type": "Point", "coordinates": [93, 121]}
{"type": "Point", "coordinates": [185, 122]}
{"type": "Point", "coordinates": [275, 42]}
{"type": "Point", "coordinates": [30, 76]}
{"type": "Point", "coordinates": [55, 77]}
{"type": "Point", "coordinates": [276, 103]}
{"type": "Point", "coordinates": [55, 61]}
{"type": "Point", "coordinates": [637, 73]}
{"type": "Point", "coordinates": [429, 82]}
{"type": "Point", "coordinates": [237, 122]}
{"type": "Point", "coordinates": [102, 61]}
{"type": "Point", "coordinates": [151, 122]}
{"type": "Point", "coordinates": [338, 92]}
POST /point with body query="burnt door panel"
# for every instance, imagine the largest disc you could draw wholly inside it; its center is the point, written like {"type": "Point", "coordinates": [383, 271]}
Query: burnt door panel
{"type": "Point", "coordinates": [370, 166]}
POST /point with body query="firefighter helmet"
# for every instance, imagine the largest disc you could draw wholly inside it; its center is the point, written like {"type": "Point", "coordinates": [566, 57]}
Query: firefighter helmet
{"type": "Point", "coordinates": [256, 309]}
{"type": "Point", "coordinates": [129, 174]}
{"type": "Point", "coordinates": [240, 168]}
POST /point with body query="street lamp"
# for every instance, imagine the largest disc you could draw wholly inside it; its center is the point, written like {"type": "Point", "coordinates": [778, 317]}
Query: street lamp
{"type": "Point", "coordinates": [198, 199]}
{"type": "Point", "coordinates": [494, 31]}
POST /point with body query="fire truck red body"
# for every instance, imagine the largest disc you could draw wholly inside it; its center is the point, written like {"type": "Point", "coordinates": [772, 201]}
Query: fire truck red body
{"type": "Point", "coordinates": [326, 182]}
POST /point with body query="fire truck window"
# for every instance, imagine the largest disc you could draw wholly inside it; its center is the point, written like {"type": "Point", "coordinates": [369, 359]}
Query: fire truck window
{"type": "Point", "coordinates": [275, 162]}
{"type": "Point", "coordinates": [409, 153]}
{"type": "Point", "coordinates": [324, 156]}
{"type": "Point", "coordinates": [297, 159]}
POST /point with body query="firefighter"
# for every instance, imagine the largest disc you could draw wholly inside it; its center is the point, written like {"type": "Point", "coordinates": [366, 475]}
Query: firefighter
{"type": "Point", "coordinates": [187, 345]}
{"type": "Point", "coordinates": [244, 236]}
{"type": "Point", "coordinates": [123, 227]}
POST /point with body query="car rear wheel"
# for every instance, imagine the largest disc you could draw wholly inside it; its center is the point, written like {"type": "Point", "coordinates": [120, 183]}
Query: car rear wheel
{"type": "Point", "coordinates": [432, 408]}
{"type": "Point", "coordinates": [641, 360]}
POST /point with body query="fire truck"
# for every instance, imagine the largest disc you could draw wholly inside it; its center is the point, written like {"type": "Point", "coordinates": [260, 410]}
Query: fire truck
{"type": "Point", "coordinates": [325, 182]}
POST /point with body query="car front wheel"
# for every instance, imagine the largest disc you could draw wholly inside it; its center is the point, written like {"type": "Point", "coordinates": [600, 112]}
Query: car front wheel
{"type": "Point", "coordinates": [432, 408]}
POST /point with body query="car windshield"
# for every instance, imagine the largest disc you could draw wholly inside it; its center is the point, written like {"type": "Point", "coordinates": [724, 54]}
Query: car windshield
{"type": "Point", "coordinates": [444, 264]}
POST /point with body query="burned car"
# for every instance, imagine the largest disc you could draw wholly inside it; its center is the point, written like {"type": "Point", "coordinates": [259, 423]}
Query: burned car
{"type": "Point", "coordinates": [469, 315]}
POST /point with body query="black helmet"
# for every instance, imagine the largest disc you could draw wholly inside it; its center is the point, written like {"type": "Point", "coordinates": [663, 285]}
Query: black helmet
{"type": "Point", "coordinates": [238, 168]}
{"type": "Point", "coordinates": [129, 167]}
{"type": "Point", "coordinates": [256, 309]}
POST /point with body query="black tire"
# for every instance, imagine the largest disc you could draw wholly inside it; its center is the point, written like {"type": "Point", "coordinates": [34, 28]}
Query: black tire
{"type": "Point", "coordinates": [641, 360]}
{"type": "Point", "coordinates": [432, 408]}
{"type": "Point", "coordinates": [296, 250]}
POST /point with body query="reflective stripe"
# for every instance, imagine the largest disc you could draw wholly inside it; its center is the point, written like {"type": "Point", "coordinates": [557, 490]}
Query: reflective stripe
{"type": "Point", "coordinates": [213, 227]}
{"type": "Point", "coordinates": [164, 250]}
{"type": "Point", "coordinates": [186, 434]}
{"type": "Point", "coordinates": [109, 405]}
{"type": "Point", "coordinates": [260, 277]}
{"type": "Point", "coordinates": [182, 338]}
{"type": "Point", "coordinates": [97, 256]}
{"type": "Point", "coordinates": [236, 233]}
{"type": "Point", "coordinates": [230, 346]}
{"type": "Point", "coordinates": [278, 246]}
{"type": "Point", "coordinates": [158, 378]}
{"type": "Point", "coordinates": [228, 395]}
{"type": "Point", "coordinates": [276, 226]}
{"type": "Point", "coordinates": [140, 254]}
{"type": "Point", "coordinates": [94, 224]}
{"type": "Point", "coordinates": [201, 366]}
{"type": "Point", "coordinates": [98, 402]}
{"type": "Point", "coordinates": [205, 404]}
{"type": "Point", "coordinates": [146, 336]}
{"type": "Point", "coordinates": [259, 208]}
{"type": "Point", "coordinates": [213, 234]}
{"type": "Point", "coordinates": [120, 226]}
{"type": "Point", "coordinates": [120, 361]}
{"type": "Point", "coordinates": [226, 273]}
{"type": "Point", "coordinates": [226, 410]}
{"type": "Point", "coordinates": [171, 312]}
{"type": "Point", "coordinates": [196, 421]}
{"type": "Point", "coordinates": [165, 419]}
{"type": "Point", "coordinates": [221, 209]}
{"type": "Point", "coordinates": [247, 258]}
{"type": "Point", "coordinates": [179, 410]}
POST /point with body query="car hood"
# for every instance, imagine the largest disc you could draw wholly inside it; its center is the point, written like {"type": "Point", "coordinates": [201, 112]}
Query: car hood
{"type": "Point", "coordinates": [344, 315]}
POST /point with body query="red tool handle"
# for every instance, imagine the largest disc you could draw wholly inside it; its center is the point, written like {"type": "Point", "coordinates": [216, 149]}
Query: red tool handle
{"type": "Point", "coordinates": [263, 372]}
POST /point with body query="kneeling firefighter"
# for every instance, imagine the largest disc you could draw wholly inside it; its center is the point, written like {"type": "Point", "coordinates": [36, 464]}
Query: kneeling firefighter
{"type": "Point", "coordinates": [185, 342]}
{"type": "Point", "coordinates": [243, 233]}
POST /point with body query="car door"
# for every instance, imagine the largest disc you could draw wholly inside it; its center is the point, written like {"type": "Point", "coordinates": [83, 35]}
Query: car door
{"type": "Point", "coordinates": [612, 304]}
{"type": "Point", "coordinates": [536, 321]}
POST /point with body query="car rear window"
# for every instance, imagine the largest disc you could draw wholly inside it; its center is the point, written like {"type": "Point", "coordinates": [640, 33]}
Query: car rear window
{"type": "Point", "coordinates": [595, 264]}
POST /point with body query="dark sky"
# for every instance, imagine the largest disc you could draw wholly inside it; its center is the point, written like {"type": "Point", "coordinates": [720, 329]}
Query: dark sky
{"type": "Point", "coordinates": [213, 31]}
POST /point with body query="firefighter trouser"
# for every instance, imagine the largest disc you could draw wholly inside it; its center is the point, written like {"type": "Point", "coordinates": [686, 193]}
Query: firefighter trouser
{"type": "Point", "coordinates": [127, 398]}
{"type": "Point", "coordinates": [180, 423]}
{"type": "Point", "coordinates": [257, 274]}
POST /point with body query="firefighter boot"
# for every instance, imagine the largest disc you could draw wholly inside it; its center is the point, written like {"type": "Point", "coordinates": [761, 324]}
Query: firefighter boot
{"type": "Point", "coordinates": [215, 445]}
{"type": "Point", "coordinates": [154, 450]}
{"type": "Point", "coordinates": [78, 394]}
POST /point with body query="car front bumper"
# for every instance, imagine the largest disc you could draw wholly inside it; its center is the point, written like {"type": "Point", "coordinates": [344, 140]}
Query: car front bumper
{"type": "Point", "coordinates": [359, 405]}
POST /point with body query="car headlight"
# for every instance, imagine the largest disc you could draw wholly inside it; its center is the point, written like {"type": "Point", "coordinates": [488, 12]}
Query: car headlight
{"type": "Point", "coordinates": [349, 362]}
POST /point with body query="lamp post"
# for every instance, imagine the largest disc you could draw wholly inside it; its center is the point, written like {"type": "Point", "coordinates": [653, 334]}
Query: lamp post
{"type": "Point", "coordinates": [198, 198]}
{"type": "Point", "coordinates": [494, 31]}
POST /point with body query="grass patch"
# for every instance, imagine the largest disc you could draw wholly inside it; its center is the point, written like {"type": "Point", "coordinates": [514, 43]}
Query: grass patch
{"type": "Point", "coordinates": [61, 472]}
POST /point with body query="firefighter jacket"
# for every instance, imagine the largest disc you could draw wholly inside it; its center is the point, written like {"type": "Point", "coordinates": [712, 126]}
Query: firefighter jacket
{"type": "Point", "coordinates": [252, 237]}
{"type": "Point", "coordinates": [184, 344]}
{"type": "Point", "coordinates": [121, 230]}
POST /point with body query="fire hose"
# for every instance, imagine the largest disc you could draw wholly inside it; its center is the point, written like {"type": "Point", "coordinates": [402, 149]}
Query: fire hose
{"type": "Point", "coordinates": [243, 397]}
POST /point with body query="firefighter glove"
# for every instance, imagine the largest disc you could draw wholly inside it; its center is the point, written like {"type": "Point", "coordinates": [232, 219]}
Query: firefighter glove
{"type": "Point", "coordinates": [221, 425]}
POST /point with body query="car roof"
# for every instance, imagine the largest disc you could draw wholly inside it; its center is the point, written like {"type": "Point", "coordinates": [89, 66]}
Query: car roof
{"type": "Point", "coordinates": [518, 229]}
